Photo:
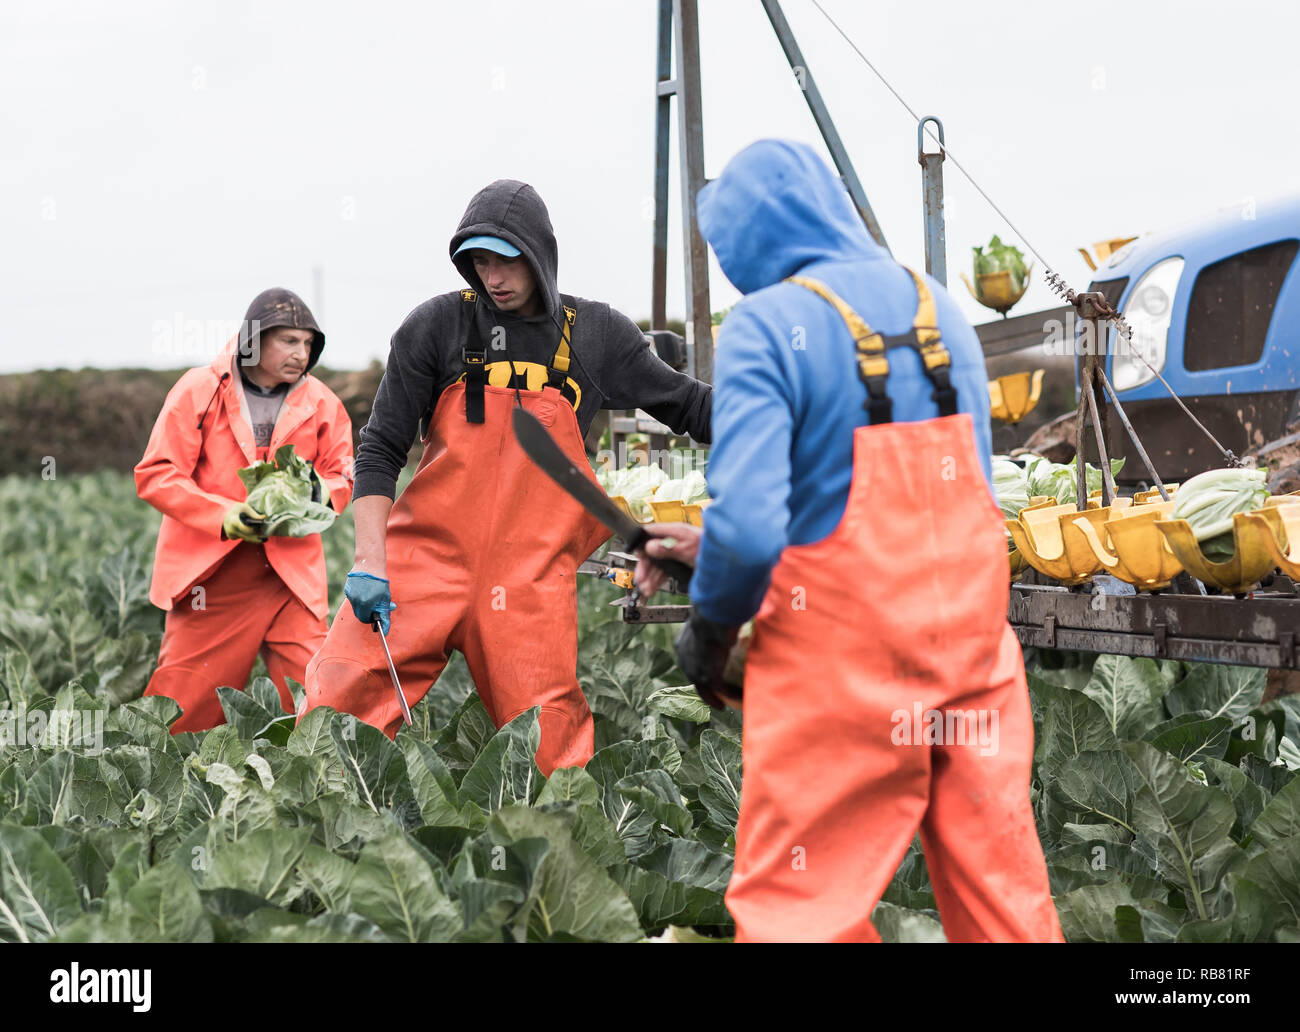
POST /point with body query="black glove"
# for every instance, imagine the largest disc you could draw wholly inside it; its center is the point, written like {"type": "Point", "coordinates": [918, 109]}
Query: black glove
{"type": "Point", "coordinates": [316, 486]}
{"type": "Point", "coordinates": [702, 651]}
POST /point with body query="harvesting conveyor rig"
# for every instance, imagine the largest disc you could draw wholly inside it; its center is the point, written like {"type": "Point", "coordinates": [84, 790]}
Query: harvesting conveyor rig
{"type": "Point", "coordinates": [1107, 574]}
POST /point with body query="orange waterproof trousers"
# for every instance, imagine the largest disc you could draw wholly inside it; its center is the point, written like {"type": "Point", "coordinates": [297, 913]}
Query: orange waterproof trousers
{"type": "Point", "coordinates": [483, 552]}
{"type": "Point", "coordinates": [885, 694]}
{"type": "Point", "coordinates": [213, 637]}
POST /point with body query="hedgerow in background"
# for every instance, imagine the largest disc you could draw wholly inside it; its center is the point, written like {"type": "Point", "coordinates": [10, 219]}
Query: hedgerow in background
{"type": "Point", "coordinates": [100, 419]}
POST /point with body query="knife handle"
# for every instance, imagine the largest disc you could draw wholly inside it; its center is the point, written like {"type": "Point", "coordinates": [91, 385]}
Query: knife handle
{"type": "Point", "coordinates": [675, 568]}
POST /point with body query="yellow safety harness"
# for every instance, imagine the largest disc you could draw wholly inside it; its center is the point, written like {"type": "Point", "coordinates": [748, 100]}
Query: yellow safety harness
{"type": "Point", "coordinates": [872, 348]}
{"type": "Point", "coordinates": [524, 375]}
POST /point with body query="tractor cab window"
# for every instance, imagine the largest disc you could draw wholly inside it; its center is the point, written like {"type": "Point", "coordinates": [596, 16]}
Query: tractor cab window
{"type": "Point", "coordinates": [1231, 306]}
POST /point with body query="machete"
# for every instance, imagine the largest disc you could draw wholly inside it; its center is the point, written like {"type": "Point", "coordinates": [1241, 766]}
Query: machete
{"type": "Point", "coordinates": [539, 446]}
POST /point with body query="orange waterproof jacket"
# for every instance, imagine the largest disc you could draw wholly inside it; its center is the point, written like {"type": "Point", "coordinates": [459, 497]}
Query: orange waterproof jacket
{"type": "Point", "coordinates": [191, 476]}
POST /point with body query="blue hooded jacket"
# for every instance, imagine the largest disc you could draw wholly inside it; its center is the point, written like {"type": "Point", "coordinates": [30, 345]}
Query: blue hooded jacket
{"type": "Point", "coordinates": [787, 397]}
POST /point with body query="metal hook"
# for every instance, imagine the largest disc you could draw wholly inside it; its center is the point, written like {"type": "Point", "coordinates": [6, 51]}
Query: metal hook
{"type": "Point", "coordinates": [920, 134]}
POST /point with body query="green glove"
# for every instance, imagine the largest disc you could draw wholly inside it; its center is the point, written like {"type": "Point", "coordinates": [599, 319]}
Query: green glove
{"type": "Point", "coordinates": [244, 522]}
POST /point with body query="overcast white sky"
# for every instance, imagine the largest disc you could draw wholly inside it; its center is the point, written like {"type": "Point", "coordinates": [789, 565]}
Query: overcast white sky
{"type": "Point", "coordinates": [166, 161]}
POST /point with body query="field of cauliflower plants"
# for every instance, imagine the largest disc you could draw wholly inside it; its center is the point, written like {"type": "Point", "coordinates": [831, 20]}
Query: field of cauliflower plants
{"type": "Point", "coordinates": [1166, 794]}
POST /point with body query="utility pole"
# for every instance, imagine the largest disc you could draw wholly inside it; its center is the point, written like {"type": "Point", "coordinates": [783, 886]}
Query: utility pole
{"type": "Point", "coordinates": [318, 293]}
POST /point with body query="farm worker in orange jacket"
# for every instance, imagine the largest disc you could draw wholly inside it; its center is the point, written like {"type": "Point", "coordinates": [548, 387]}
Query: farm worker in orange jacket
{"type": "Point", "coordinates": [480, 553]}
{"type": "Point", "coordinates": [853, 519]}
{"type": "Point", "coordinates": [228, 591]}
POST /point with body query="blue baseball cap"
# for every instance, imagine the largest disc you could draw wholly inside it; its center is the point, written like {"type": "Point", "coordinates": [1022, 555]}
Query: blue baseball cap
{"type": "Point", "coordinates": [488, 243]}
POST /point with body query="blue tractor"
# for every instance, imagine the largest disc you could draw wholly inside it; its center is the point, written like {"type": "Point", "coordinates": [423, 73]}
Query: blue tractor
{"type": "Point", "coordinates": [1214, 306]}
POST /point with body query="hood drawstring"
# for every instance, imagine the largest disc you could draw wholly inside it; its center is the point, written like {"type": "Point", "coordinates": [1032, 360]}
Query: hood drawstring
{"type": "Point", "coordinates": [224, 378]}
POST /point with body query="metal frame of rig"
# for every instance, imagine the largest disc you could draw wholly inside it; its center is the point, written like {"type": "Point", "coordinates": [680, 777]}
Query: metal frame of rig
{"type": "Point", "coordinates": [1185, 620]}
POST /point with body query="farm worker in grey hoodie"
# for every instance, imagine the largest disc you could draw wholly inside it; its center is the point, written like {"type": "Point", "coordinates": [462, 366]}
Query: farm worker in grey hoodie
{"type": "Point", "coordinates": [481, 552]}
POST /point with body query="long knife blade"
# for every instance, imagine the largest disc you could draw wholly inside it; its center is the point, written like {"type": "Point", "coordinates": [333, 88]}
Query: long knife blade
{"type": "Point", "coordinates": [539, 446]}
{"type": "Point", "coordinates": [392, 670]}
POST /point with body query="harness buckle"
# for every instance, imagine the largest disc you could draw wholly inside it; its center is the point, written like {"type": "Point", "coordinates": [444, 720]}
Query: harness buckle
{"type": "Point", "coordinates": [879, 406]}
{"type": "Point", "coordinates": [944, 394]}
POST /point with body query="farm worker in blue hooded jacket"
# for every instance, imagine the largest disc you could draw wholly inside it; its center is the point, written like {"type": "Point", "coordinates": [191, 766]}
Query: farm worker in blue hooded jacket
{"type": "Point", "coordinates": [884, 692]}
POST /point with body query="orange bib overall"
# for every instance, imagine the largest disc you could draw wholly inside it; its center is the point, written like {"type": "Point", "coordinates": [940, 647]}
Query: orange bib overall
{"type": "Point", "coordinates": [483, 552]}
{"type": "Point", "coordinates": [269, 599]}
{"type": "Point", "coordinates": [885, 694]}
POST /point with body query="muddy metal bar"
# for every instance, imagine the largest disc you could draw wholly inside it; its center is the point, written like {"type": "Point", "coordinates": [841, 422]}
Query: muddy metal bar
{"type": "Point", "coordinates": [1089, 309]}
{"type": "Point", "coordinates": [821, 115]}
{"type": "Point", "coordinates": [936, 247]}
{"type": "Point", "coordinates": [656, 614]}
{"type": "Point", "coordinates": [665, 86]}
{"type": "Point", "coordinates": [679, 32]}
{"type": "Point", "coordinates": [1259, 631]}
{"type": "Point", "coordinates": [1107, 481]}
{"type": "Point", "coordinates": [1137, 444]}
{"type": "Point", "coordinates": [690, 132]}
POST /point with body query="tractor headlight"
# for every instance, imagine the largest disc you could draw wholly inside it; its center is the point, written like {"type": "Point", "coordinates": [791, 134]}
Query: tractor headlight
{"type": "Point", "coordinates": [1149, 310]}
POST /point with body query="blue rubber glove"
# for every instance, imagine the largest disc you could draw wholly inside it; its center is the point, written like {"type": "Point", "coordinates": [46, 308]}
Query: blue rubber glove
{"type": "Point", "coordinates": [370, 598]}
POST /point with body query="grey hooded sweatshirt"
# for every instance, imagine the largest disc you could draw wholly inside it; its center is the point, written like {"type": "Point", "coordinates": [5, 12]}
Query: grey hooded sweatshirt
{"type": "Point", "coordinates": [611, 360]}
